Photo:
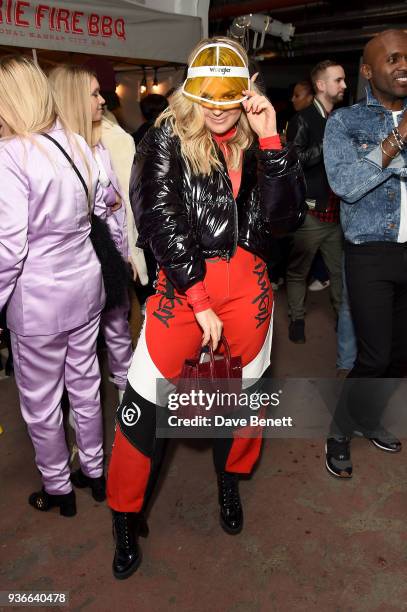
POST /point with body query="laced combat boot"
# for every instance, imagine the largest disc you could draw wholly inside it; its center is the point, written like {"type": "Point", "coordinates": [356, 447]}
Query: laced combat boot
{"type": "Point", "coordinates": [231, 513]}
{"type": "Point", "coordinates": [127, 527]}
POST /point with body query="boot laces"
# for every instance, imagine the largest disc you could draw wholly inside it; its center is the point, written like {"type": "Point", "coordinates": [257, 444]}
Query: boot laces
{"type": "Point", "coordinates": [123, 531]}
{"type": "Point", "coordinates": [230, 490]}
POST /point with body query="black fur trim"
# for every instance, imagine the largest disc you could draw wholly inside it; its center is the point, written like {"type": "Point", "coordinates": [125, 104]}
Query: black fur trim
{"type": "Point", "coordinates": [115, 270]}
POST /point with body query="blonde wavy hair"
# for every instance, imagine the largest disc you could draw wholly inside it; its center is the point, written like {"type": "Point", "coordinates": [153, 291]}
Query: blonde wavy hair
{"type": "Point", "coordinates": [28, 106]}
{"type": "Point", "coordinates": [187, 120]}
{"type": "Point", "coordinates": [71, 88]}
{"type": "Point", "coordinates": [26, 102]}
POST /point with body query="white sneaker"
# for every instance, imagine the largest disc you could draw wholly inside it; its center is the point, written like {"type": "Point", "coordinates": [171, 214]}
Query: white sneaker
{"type": "Point", "coordinates": [316, 285]}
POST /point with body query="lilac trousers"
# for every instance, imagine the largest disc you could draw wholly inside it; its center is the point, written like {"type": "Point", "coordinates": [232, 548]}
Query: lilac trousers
{"type": "Point", "coordinates": [43, 365]}
{"type": "Point", "coordinates": [115, 328]}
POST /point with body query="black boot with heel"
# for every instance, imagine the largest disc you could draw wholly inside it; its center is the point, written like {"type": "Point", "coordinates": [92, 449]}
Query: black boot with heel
{"type": "Point", "coordinates": [44, 501]}
{"type": "Point", "coordinates": [96, 485]}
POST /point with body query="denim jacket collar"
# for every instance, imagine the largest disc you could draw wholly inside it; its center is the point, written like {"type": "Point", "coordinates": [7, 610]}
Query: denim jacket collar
{"type": "Point", "coordinates": [372, 101]}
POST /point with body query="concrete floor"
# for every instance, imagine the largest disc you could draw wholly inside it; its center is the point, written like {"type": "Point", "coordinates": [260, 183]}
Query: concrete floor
{"type": "Point", "coordinates": [310, 542]}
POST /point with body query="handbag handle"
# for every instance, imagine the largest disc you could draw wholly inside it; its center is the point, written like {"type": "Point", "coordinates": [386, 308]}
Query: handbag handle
{"type": "Point", "coordinates": [212, 354]}
{"type": "Point", "coordinates": [71, 161]}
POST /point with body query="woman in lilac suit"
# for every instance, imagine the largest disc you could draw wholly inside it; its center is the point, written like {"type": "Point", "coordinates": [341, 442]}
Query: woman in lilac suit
{"type": "Point", "coordinates": [51, 279]}
{"type": "Point", "coordinates": [76, 90]}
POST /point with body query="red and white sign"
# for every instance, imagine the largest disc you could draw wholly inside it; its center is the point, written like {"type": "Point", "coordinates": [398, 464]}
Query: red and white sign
{"type": "Point", "coordinates": [19, 13]}
{"type": "Point", "coordinates": [111, 28]}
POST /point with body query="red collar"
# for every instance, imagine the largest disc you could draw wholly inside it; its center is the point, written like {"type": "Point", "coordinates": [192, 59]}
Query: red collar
{"type": "Point", "coordinates": [223, 138]}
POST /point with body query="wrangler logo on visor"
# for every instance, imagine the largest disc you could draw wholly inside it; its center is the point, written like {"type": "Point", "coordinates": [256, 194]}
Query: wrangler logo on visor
{"type": "Point", "coordinates": [222, 70]}
{"type": "Point", "coordinates": [218, 74]}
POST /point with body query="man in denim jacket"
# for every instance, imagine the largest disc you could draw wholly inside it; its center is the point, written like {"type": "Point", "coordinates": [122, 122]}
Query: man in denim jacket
{"type": "Point", "coordinates": [365, 157]}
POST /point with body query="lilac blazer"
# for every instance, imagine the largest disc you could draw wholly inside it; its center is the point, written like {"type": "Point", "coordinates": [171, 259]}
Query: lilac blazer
{"type": "Point", "coordinates": [49, 273]}
{"type": "Point", "coordinates": [116, 220]}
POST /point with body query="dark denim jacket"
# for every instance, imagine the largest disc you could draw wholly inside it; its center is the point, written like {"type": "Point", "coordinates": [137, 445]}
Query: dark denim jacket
{"type": "Point", "coordinates": [370, 194]}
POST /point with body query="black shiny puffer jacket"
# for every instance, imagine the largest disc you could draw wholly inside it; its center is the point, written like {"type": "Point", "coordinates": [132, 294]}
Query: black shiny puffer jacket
{"type": "Point", "coordinates": [187, 218]}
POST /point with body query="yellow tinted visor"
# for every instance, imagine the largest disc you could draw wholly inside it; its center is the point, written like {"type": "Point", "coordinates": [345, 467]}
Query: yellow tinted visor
{"type": "Point", "coordinates": [220, 84]}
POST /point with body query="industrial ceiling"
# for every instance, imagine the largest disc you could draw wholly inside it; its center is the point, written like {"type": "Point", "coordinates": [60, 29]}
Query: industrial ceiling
{"type": "Point", "coordinates": [322, 28]}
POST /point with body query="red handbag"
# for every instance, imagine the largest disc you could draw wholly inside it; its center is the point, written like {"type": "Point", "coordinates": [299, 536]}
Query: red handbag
{"type": "Point", "coordinates": [209, 379]}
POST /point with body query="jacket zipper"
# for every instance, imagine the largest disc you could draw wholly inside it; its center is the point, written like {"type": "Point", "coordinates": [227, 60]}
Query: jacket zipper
{"type": "Point", "coordinates": [235, 239]}
{"type": "Point", "coordinates": [236, 229]}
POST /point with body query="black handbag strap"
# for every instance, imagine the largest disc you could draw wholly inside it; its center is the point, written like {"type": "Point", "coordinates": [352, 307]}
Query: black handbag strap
{"type": "Point", "coordinates": [71, 161]}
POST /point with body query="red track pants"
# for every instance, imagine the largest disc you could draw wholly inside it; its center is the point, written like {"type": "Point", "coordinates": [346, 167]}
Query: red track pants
{"type": "Point", "coordinates": [241, 296]}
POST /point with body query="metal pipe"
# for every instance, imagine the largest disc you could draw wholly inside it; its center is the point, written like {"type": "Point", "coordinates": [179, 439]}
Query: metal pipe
{"type": "Point", "coordinates": [261, 24]}
{"type": "Point", "coordinates": [255, 6]}
{"type": "Point", "coordinates": [327, 36]}
{"type": "Point", "coordinates": [301, 7]}
{"type": "Point", "coordinates": [388, 9]}
{"type": "Point", "coordinates": [342, 17]}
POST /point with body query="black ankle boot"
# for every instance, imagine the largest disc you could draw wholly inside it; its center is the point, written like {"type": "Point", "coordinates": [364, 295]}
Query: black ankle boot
{"type": "Point", "coordinates": [44, 501]}
{"type": "Point", "coordinates": [231, 513]}
{"type": "Point", "coordinates": [127, 526]}
{"type": "Point", "coordinates": [96, 485]}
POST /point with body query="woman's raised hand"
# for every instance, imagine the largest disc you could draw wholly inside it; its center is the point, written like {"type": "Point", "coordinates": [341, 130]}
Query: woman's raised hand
{"type": "Point", "coordinates": [211, 326]}
{"type": "Point", "coordinates": [260, 114]}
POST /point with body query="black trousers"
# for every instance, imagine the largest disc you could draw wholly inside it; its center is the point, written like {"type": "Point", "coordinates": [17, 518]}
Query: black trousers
{"type": "Point", "coordinates": [376, 275]}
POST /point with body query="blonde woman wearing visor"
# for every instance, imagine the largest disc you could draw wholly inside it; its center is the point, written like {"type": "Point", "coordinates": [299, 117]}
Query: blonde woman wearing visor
{"type": "Point", "coordinates": [210, 187]}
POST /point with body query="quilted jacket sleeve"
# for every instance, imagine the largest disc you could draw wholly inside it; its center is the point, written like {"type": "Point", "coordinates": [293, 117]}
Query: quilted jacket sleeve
{"type": "Point", "coordinates": [282, 190]}
{"type": "Point", "coordinates": [160, 213]}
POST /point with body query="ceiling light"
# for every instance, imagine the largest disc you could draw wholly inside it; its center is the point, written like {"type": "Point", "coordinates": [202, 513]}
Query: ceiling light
{"type": "Point", "coordinates": [143, 84]}
{"type": "Point", "coordinates": [155, 82]}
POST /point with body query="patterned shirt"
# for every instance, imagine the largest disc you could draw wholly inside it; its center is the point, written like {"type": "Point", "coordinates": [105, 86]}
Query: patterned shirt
{"type": "Point", "coordinates": [331, 215]}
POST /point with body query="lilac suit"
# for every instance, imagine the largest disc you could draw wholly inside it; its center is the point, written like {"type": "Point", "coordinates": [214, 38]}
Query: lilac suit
{"type": "Point", "coordinates": [51, 278]}
{"type": "Point", "coordinates": [115, 326]}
